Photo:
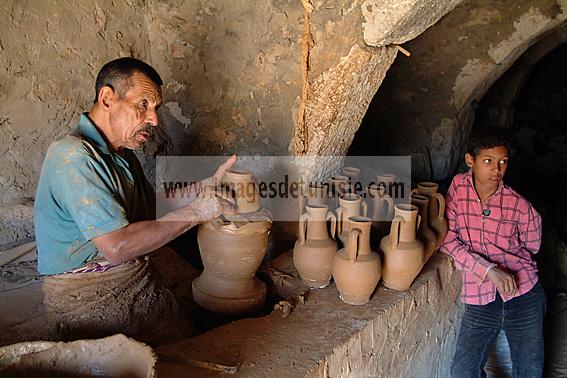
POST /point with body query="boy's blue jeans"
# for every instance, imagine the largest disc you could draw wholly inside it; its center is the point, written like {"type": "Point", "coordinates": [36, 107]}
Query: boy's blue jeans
{"type": "Point", "coordinates": [521, 319]}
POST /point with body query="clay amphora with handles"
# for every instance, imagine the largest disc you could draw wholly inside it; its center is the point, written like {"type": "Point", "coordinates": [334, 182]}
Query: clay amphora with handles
{"type": "Point", "coordinates": [424, 233]}
{"type": "Point", "coordinates": [403, 252]}
{"type": "Point", "coordinates": [314, 250]}
{"type": "Point", "coordinates": [382, 209]}
{"type": "Point", "coordinates": [351, 205]}
{"type": "Point", "coordinates": [436, 205]}
{"type": "Point", "coordinates": [356, 268]}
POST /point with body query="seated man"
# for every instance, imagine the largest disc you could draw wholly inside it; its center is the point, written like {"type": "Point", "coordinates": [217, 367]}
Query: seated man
{"type": "Point", "coordinates": [95, 214]}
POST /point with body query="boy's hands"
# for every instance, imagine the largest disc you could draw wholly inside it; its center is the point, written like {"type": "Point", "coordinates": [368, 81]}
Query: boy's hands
{"type": "Point", "coordinates": [504, 281]}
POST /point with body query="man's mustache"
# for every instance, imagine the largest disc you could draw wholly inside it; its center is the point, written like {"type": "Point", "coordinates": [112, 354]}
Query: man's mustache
{"type": "Point", "coordinates": [149, 129]}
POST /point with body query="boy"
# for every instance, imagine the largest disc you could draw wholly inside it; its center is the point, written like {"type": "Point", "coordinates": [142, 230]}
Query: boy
{"type": "Point", "coordinates": [493, 234]}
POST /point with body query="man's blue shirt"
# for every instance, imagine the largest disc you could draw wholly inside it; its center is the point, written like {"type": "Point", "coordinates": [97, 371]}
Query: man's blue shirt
{"type": "Point", "coordinates": [84, 191]}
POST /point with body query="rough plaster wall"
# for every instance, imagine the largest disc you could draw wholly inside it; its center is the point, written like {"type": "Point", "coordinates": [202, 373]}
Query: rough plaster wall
{"type": "Point", "coordinates": [337, 96]}
{"type": "Point", "coordinates": [398, 21]}
{"type": "Point", "coordinates": [501, 98]}
{"type": "Point", "coordinates": [231, 70]}
{"type": "Point", "coordinates": [49, 56]}
{"type": "Point", "coordinates": [425, 102]}
{"type": "Point", "coordinates": [233, 73]}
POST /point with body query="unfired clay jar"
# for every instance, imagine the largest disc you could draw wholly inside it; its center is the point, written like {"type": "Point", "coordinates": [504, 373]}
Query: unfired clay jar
{"type": "Point", "coordinates": [403, 252]}
{"type": "Point", "coordinates": [356, 269]}
{"type": "Point", "coordinates": [437, 219]}
{"type": "Point", "coordinates": [244, 187]}
{"type": "Point", "coordinates": [385, 178]}
{"type": "Point", "coordinates": [382, 209]}
{"type": "Point", "coordinates": [313, 254]}
{"type": "Point", "coordinates": [352, 173]}
{"type": "Point", "coordinates": [424, 232]}
{"type": "Point", "coordinates": [339, 185]}
{"type": "Point", "coordinates": [231, 256]}
{"type": "Point", "coordinates": [350, 205]}
{"type": "Point", "coordinates": [316, 194]}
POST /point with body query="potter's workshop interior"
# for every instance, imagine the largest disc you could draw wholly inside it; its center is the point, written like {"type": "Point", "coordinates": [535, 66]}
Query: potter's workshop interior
{"type": "Point", "coordinates": [283, 188]}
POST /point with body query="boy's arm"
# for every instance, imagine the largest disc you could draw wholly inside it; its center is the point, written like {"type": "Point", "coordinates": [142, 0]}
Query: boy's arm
{"type": "Point", "coordinates": [529, 226]}
{"type": "Point", "coordinates": [465, 259]}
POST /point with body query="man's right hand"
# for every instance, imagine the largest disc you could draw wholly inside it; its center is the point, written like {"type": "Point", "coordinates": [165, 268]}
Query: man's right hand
{"type": "Point", "coordinates": [504, 281]}
{"type": "Point", "coordinates": [206, 207]}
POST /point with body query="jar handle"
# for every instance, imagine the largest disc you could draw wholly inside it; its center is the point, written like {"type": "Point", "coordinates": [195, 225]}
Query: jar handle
{"type": "Point", "coordinates": [352, 244]}
{"type": "Point", "coordinates": [331, 216]}
{"type": "Point", "coordinates": [395, 230]}
{"type": "Point", "coordinates": [414, 191]}
{"type": "Point", "coordinates": [303, 227]}
{"type": "Point", "coordinates": [441, 201]}
{"type": "Point", "coordinates": [364, 208]}
{"type": "Point", "coordinates": [339, 220]}
{"type": "Point", "coordinates": [391, 206]}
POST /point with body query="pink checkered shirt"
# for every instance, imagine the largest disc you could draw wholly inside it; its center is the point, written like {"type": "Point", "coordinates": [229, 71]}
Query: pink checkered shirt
{"type": "Point", "coordinates": [506, 238]}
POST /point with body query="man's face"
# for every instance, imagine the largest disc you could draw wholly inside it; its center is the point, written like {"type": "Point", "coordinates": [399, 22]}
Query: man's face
{"type": "Point", "coordinates": [134, 116]}
{"type": "Point", "coordinates": [489, 166]}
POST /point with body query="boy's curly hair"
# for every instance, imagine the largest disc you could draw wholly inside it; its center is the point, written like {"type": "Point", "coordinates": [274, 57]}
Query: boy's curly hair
{"type": "Point", "coordinates": [483, 138]}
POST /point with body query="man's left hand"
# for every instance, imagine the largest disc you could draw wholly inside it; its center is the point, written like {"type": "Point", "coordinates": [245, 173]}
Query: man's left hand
{"type": "Point", "coordinates": [216, 179]}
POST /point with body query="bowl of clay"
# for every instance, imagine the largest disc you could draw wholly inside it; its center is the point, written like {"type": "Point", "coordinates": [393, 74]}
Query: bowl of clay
{"type": "Point", "coordinates": [116, 356]}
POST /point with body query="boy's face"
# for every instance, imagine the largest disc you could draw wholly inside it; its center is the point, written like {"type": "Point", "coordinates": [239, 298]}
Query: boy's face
{"type": "Point", "coordinates": [488, 166]}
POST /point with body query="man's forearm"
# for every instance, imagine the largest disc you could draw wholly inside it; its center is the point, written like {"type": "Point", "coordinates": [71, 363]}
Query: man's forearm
{"type": "Point", "coordinates": [140, 238]}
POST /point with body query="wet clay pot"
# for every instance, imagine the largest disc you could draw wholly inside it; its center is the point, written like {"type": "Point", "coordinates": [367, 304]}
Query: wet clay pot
{"type": "Point", "coordinates": [437, 219]}
{"type": "Point", "coordinates": [231, 256]}
{"type": "Point", "coordinates": [242, 184]}
{"type": "Point", "coordinates": [350, 205]}
{"type": "Point", "coordinates": [314, 250]}
{"type": "Point", "coordinates": [403, 252]}
{"type": "Point", "coordinates": [357, 269]}
{"type": "Point", "coordinates": [382, 209]}
{"type": "Point", "coordinates": [424, 233]}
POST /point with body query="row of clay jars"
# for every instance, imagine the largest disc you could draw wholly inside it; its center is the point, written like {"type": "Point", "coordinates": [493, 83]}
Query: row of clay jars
{"type": "Point", "coordinates": [435, 209]}
{"type": "Point", "coordinates": [355, 268]}
{"type": "Point", "coordinates": [321, 194]}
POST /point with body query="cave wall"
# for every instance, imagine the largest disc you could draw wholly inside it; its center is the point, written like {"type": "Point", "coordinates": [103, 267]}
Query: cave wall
{"type": "Point", "coordinates": [426, 104]}
{"type": "Point", "coordinates": [50, 54]}
{"type": "Point", "coordinates": [279, 77]}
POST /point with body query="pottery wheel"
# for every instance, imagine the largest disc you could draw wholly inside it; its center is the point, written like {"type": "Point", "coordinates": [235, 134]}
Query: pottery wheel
{"type": "Point", "coordinates": [248, 302]}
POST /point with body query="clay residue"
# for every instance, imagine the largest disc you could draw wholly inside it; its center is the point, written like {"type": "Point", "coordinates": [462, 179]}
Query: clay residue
{"type": "Point", "coordinates": [115, 356]}
{"type": "Point", "coordinates": [130, 298]}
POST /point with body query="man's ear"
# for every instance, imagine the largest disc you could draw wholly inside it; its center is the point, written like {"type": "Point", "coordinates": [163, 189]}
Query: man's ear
{"type": "Point", "coordinates": [106, 97]}
{"type": "Point", "coordinates": [469, 159]}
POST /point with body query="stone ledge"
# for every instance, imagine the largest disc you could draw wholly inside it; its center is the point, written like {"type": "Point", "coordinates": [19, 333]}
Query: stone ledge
{"type": "Point", "coordinates": [405, 334]}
